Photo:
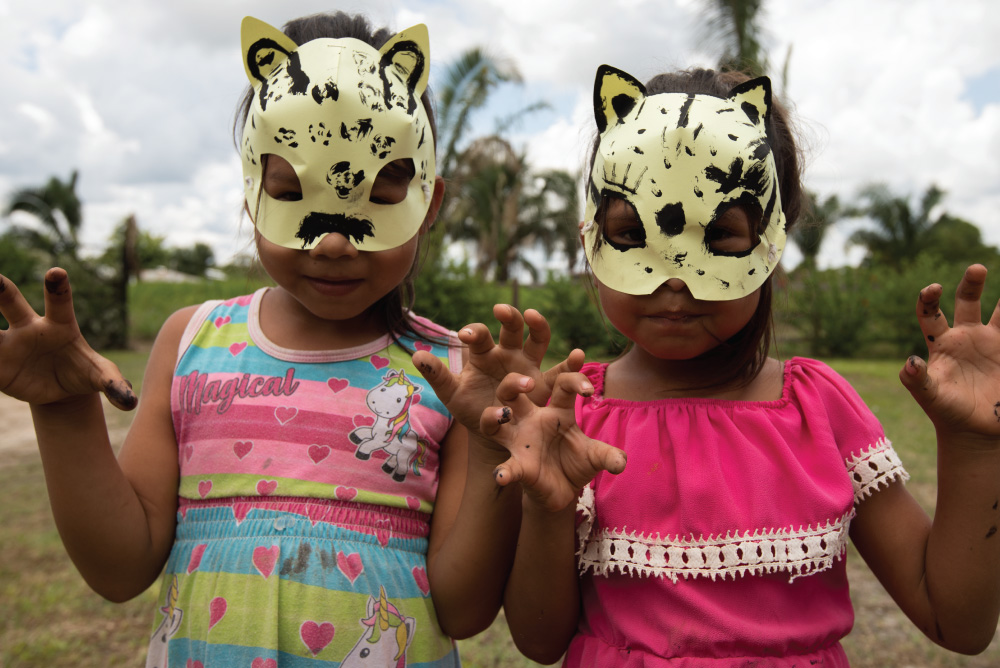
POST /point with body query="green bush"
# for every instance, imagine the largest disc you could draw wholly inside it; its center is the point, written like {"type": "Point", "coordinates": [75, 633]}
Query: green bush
{"type": "Point", "coordinates": [453, 297]}
{"type": "Point", "coordinates": [831, 309]}
{"type": "Point", "coordinates": [570, 306]}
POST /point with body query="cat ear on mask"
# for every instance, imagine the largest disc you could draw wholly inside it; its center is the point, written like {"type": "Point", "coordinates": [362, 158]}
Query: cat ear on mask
{"type": "Point", "coordinates": [404, 66]}
{"type": "Point", "coordinates": [754, 98]}
{"type": "Point", "coordinates": [616, 93]}
{"type": "Point", "coordinates": [264, 48]}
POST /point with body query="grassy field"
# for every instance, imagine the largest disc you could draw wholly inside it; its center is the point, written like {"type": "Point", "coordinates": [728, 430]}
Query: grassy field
{"type": "Point", "coordinates": [50, 618]}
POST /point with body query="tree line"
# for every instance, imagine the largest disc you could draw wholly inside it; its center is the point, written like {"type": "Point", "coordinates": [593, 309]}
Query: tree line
{"type": "Point", "coordinates": [503, 212]}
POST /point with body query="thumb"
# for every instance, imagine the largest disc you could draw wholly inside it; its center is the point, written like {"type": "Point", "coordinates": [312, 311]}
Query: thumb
{"type": "Point", "coordinates": [434, 372]}
{"type": "Point", "coordinates": [508, 472]}
{"type": "Point", "coordinates": [115, 386]}
{"type": "Point", "coordinates": [608, 458]}
{"type": "Point", "coordinates": [916, 378]}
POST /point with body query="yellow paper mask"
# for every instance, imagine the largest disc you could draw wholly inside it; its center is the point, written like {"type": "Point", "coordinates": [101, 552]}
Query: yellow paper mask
{"type": "Point", "coordinates": [681, 161]}
{"type": "Point", "coordinates": [338, 110]}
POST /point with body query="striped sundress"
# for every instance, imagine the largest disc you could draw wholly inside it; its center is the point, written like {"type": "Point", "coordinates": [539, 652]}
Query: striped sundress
{"type": "Point", "coordinates": [307, 480]}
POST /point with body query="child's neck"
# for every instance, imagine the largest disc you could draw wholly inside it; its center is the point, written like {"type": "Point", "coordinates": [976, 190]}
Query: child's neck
{"type": "Point", "coordinates": [286, 323]}
{"type": "Point", "coordinates": [639, 376]}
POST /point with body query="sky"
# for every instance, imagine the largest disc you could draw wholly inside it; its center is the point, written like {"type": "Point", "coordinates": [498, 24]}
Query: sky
{"type": "Point", "coordinates": [139, 95]}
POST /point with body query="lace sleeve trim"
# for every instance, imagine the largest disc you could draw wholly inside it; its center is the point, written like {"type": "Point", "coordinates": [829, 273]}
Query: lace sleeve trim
{"type": "Point", "coordinates": [876, 467]}
{"type": "Point", "coordinates": [798, 552]}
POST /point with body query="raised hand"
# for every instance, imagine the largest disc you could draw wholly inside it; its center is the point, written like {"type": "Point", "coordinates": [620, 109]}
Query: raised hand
{"type": "Point", "coordinates": [46, 359]}
{"type": "Point", "coordinates": [549, 455]}
{"type": "Point", "coordinates": [959, 385]}
{"type": "Point", "coordinates": [467, 393]}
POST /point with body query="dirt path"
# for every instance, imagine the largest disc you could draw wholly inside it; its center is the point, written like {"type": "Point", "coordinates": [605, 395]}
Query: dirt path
{"type": "Point", "coordinates": [17, 433]}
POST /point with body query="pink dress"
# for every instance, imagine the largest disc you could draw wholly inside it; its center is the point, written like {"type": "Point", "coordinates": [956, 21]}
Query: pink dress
{"type": "Point", "coordinates": [722, 543]}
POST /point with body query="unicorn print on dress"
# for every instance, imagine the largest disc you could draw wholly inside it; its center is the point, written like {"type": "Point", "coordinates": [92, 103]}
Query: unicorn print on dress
{"type": "Point", "coordinates": [159, 641]}
{"type": "Point", "coordinates": [391, 401]}
{"type": "Point", "coordinates": [384, 642]}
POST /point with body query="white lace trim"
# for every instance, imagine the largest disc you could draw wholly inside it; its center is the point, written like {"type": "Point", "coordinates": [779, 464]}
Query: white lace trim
{"type": "Point", "coordinates": [797, 552]}
{"type": "Point", "coordinates": [877, 467]}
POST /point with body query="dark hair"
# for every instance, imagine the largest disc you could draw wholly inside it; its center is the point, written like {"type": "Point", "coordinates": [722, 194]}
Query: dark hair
{"type": "Point", "coordinates": [339, 25]}
{"type": "Point", "coordinates": [747, 350]}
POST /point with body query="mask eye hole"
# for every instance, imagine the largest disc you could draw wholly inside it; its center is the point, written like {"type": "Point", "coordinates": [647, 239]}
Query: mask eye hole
{"type": "Point", "coordinates": [620, 224]}
{"type": "Point", "coordinates": [393, 182]}
{"type": "Point", "coordinates": [734, 230]}
{"type": "Point", "coordinates": [280, 181]}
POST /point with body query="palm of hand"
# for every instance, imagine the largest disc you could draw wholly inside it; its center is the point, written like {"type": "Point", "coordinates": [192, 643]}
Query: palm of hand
{"type": "Point", "coordinates": [467, 393]}
{"type": "Point", "coordinates": [959, 387]}
{"type": "Point", "coordinates": [551, 457]}
{"type": "Point", "coordinates": [479, 380]}
{"type": "Point", "coordinates": [46, 359]}
{"type": "Point", "coordinates": [964, 364]}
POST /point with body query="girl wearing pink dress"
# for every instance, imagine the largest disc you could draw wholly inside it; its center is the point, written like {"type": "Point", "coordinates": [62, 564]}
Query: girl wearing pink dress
{"type": "Point", "coordinates": [721, 541]}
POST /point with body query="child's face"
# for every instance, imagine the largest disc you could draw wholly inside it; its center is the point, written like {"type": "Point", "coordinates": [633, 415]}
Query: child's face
{"type": "Point", "coordinates": [334, 280]}
{"type": "Point", "coordinates": [670, 323]}
{"type": "Point", "coordinates": [306, 108]}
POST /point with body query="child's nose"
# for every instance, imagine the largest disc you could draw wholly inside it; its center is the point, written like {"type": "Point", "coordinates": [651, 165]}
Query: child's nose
{"type": "Point", "coordinates": [675, 284]}
{"type": "Point", "coordinates": [334, 244]}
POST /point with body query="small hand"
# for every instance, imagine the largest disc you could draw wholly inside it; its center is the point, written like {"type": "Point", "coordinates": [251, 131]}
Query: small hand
{"type": "Point", "coordinates": [959, 386]}
{"type": "Point", "coordinates": [46, 359]}
{"type": "Point", "coordinates": [467, 393]}
{"type": "Point", "coordinates": [549, 455]}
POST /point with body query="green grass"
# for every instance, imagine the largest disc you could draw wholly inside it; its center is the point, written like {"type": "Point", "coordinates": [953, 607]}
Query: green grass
{"type": "Point", "coordinates": [50, 618]}
{"type": "Point", "coordinates": [150, 303]}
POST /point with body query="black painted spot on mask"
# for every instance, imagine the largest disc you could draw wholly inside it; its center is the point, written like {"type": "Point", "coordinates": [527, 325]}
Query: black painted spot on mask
{"type": "Point", "coordinates": [317, 224]}
{"type": "Point", "coordinates": [636, 149]}
{"type": "Point", "coordinates": [410, 48]}
{"type": "Point", "coordinates": [687, 149]}
{"type": "Point", "coordinates": [733, 137]}
{"type": "Point", "coordinates": [327, 91]}
{"type": "Point", "coordinates": [761, 150]}
{"type": "Point", "coordinates": [728, 181]}
{"type": "Point", "coordinates": [751, 112]}
{"type": "Point", "coordinates": [343, 180]}
{"type": "Point", "coordinates": [679, 259]}
{"type": "Point", "coordinates": [622, 104]}
{"type": "Point", "coordinates": [641, 132]}
{"type": "Point", "coordinates": [649, 270]}
{"type": "Point", "coordinates": [300, 80]}
{"type": "Point", "coordinates": [697, 130]}
{"type": "Point", "coordinates": [685, 115]}
{"type": "Point", "coordinates": [670, 219]}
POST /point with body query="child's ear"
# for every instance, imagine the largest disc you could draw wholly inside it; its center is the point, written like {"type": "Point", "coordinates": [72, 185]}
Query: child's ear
{"type": "Point", "coordinates": [754, 98]}
{"type": "Point", "coordinates": [405, 58]}
{"type": "Point", "coordinates": [615, 94]}
{"type": "Point", "coordinates": [264, 48]}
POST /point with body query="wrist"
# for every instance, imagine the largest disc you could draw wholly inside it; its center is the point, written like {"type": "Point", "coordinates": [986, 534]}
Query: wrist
{"type": "Point", "coordinates": [538, 508]}
{"type": "Point", "coordinates": [72, 404]}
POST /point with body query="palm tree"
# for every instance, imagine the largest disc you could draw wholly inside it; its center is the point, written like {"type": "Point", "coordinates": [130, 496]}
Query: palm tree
{"type": "Point", "coordinates": [808, 234]}
{"type": "Point", "coordinates": [465, 88]}
{"type": "Point", "coordinates": [505, 209]}
{"type": "Point", "coordinates": [57, 206]}
{"type": "Point", "coordinates": [900, 231]}
{"type": "Point", "coordinates": [736, 24]}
